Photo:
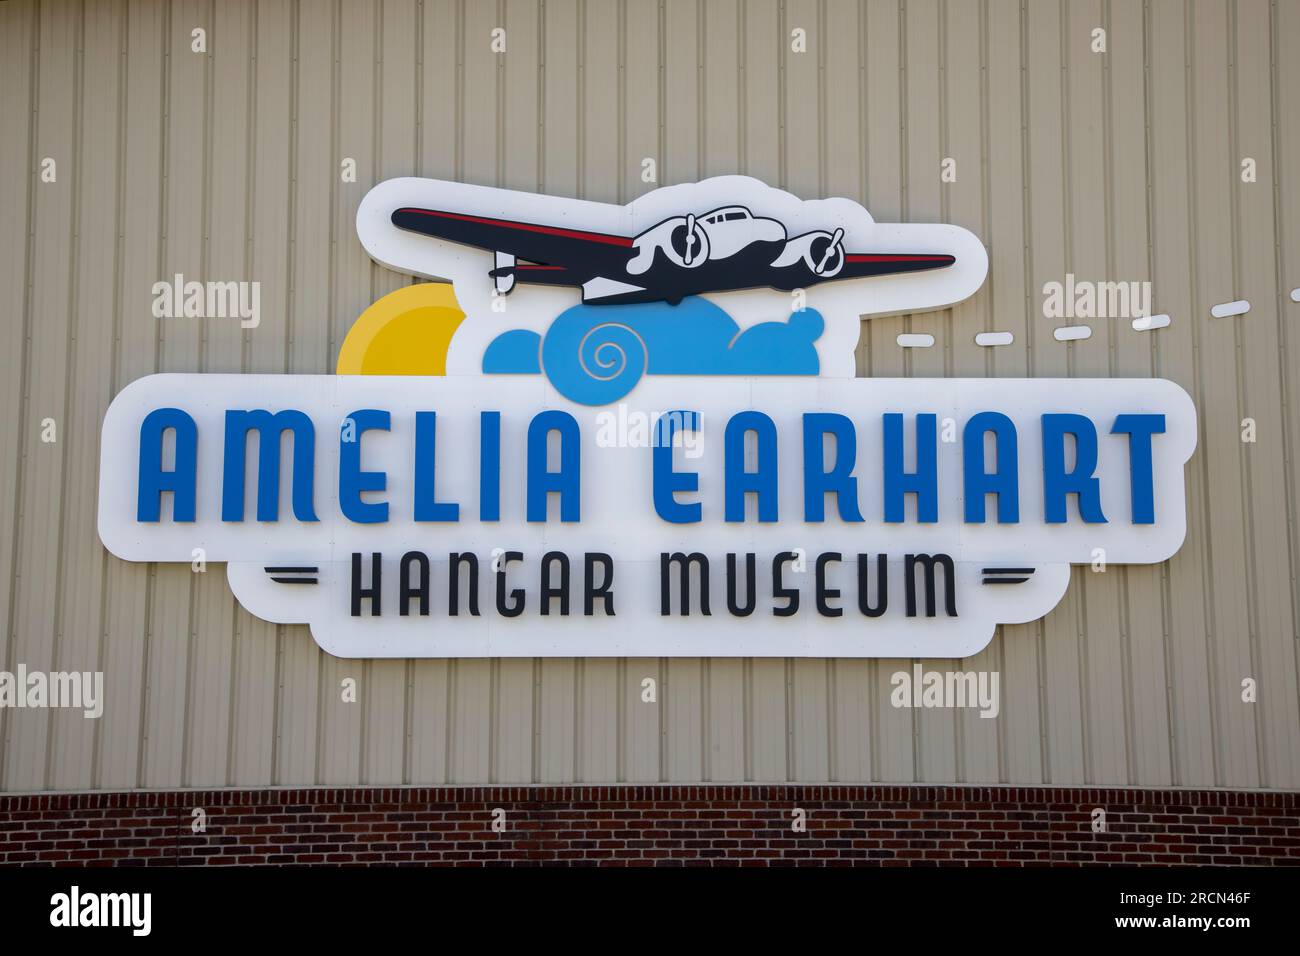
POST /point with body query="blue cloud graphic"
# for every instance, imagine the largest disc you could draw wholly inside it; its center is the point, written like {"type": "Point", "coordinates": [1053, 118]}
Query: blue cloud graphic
{"type": "Point", "coordinates": [596, 354]}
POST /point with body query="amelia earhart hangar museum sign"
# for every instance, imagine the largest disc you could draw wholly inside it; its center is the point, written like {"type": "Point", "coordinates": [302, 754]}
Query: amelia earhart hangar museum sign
{"type": "Point", "coordinates": [758, 501]}
{"type": "Point", "coordinates": [687, 432]}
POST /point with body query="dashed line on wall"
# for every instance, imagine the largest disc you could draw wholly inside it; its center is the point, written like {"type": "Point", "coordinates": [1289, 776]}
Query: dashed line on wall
{"type": "Point", "coordinates": [1072, 333]}
{"type": "Point", "coordinates": [1145, 323]}
{"type": "Point", "coordinates": [1225, 309]}
{"type": "Point", "coordinates": [915, 340]}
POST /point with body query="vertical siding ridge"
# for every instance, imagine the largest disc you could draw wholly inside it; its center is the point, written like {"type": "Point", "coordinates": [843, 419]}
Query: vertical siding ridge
{"type": "Point", "coordinates": [579, 695]}
{"type": "Point", "coordinates": [250, 168]}
{"type": "Point", "coordinates": [946, 316]}
{"type": "Point", "coordinates": [1040, 636]}
{"type": "Point", "coordinates": [29, 265]}
{"type": "Point", "coordinates": [702, 91]}
{"type": "Point", "coordinates": [1279, 247]}
{"type": "Point", "coordinates": [747, 709]}
{"type": "Point", "coordinates": [33, 127]}
{"type": "Point", "coordinates": [502, 127]}
{"type": "Point", "coordinates": [661, 104]}
{"type": "Point", "coordinates": [232, 694]}
{"type": "Point", "coordinates": [623, 170]}
{"type": "Point", "coordinates": [291, 193]}
{"type": "Point", "coordinates": [986, 190]}
{"type": "Point", "coordinates": [245, 352]}
{"type": "Point", "coordinates": [276, 703]}
{"type": "Point", "coordinates": [1124, 619]}
{"type": "Point", "coordinates": [318, 761]}
{"type": "Point", "coordinates": [1193, 229]}
{"type": "Point", "coordinates": [661, 715]}
{"type": "Point", "coordinates": [1157, 365]}
{"type": "Point", "coordinates": [494, 719]}
{"type": "Point", "coordinates": [535, 732]}
{"type": "Point", "coordinates": [782, 92]}
{"type": "Point", "coordinates": [581, 121]}
{"type": "Point", "coordinates": [205, 264]}
{"type": "Point", "coordinates": [742, 87]}
{"type": "Point", "coordinates": [822, 146]}
{"type": "Point", "coordinates": [945, 202]}
{"type": "Point", "coordinates": [119, 207]}
{"type": "Point", "coordinates": [1067, 177]}
{"type": "Point", "coordinates": [791, 721]}
{"type": "Point", "coordinates": [408, 718]}
{"type": "Point", "coordinates": [69, 360]}
{"type": "Point", "coordinates": [905, 207]}
{"type": "Point", "coordinates": [864, 156]}
{"type": "Point", "coordinates": [1027, 192]}
{"type": "Point", "coordinates": [1108, 178]}
{"type": "Point", "coordinates": [419, 87]}
{"type": "Point", "coordinates": [1244, 463]}
{"type": "Point", "coordinates": [205, 175]}
{"type": "Point", "coordinates": [1071, 366]}
{"type": "Point", "coordinates": [449, 720]}
{"type": "Point", "coordinates": [863, 359]}
{"type": "Point", "coordinates": [706, 718]}
{"type": "Point", "coordinates": [335, 180]}
{"type": "Point", "coordinates": [540, 106]}
{"type": "Point", "coordinates": [990, 367]}
{"type": "Point", "coordinates": [458, 94]}
{"type": "Point", "coordinates": [164, 148]}
{"type": "Point", "coordinates": [620, 747]}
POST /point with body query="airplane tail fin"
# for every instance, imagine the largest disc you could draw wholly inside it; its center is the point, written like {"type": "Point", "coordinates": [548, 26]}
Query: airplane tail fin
{"type": "Point", "coordinates": [504, 272]}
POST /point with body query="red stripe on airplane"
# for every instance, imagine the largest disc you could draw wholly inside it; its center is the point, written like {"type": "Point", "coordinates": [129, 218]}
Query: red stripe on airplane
{"type": "Point", "coordinates": [882, 257]}
{"type": "Point", "coordinates": [528, 227]}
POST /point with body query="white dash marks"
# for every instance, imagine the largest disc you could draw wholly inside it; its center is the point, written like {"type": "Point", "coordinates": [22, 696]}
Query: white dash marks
{"type": "Point", "coordinates": [1145, 323]}
{"type": "Point", "coordinates": [1072, 333]}
{"type": "Point", "coordinates": [990, 339]}
{"type": "Point", "coordinates": [1226, 309]}
{"type": "Point", "coordinates": [915, 340]}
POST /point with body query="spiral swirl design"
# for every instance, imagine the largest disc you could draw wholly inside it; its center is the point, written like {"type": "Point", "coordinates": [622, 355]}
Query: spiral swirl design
{"type": "Point", "coordinates": [594, 365]}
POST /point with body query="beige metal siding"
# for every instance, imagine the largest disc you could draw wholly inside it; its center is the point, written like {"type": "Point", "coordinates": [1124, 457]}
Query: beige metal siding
{"type": "Point", "coordinates": [1123, 166]}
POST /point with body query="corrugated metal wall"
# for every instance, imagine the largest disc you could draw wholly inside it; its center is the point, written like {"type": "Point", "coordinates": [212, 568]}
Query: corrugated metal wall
{"type": "Point", "coordinates": [225, 165]}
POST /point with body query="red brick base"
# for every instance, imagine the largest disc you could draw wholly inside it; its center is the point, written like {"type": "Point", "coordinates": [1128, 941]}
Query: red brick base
{"type": "Point", "coordinates": [655, 825]}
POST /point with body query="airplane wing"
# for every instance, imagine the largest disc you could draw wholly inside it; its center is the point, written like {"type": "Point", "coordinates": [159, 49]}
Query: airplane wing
{"type": "Point", "coordinates": [581, 253]}
{"type": "Point", "coordinates": [880, 264]}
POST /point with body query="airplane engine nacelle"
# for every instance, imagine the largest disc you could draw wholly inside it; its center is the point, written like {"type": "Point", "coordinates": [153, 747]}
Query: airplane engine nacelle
{"type": "Point", "coordinates": [682, 241]}
{"type": "Point", "coordinates": [822, 253]}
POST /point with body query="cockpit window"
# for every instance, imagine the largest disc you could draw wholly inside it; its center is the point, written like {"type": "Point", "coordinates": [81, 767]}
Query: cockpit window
{"type": "Point", "coordinates": [726, 215]}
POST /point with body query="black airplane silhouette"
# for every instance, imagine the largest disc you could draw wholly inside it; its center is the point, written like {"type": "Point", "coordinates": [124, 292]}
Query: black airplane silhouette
{"type": "Point", "coordinates": [725, 249]}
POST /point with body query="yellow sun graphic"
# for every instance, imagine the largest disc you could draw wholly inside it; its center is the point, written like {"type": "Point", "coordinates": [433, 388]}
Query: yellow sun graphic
{"type": "Point", "coordinates": [407, 332]}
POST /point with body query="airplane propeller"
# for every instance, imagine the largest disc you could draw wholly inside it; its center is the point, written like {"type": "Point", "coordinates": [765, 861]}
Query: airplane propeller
{"type": "Point", "coordinates": [690, 238]}
{"type": "Point", "coordinates": [830, 251]}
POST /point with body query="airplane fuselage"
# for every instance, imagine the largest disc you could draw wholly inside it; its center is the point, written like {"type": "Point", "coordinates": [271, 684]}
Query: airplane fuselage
{"type": "Point", "coordinates": [665, 281]}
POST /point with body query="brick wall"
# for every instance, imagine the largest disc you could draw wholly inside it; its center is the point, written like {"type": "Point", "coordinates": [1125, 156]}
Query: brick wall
{"type": "Point", "coordinates": [659, 825]}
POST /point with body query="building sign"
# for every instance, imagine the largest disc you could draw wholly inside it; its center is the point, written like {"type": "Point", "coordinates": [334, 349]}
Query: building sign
{"type": "Point", "coordinates": [635, 431]}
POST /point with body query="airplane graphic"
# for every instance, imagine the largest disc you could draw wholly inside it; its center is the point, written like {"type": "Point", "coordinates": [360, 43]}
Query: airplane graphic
{"type": "Point", "coordinates": [725, 249]}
